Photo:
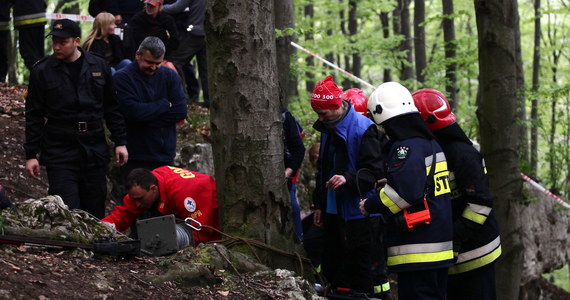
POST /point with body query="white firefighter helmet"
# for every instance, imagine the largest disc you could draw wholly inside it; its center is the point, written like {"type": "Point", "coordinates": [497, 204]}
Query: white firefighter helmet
{"type": "Point", "coordinates": [390, 99]}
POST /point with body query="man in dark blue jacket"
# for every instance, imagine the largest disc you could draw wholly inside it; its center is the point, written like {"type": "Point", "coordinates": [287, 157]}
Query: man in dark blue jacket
{"type": "Point", "coordinates": [349, 144]}
{"type": "Point", "coordinates": [152, 102]}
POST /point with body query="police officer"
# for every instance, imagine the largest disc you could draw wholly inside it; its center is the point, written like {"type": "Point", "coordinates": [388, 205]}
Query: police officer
{"type": "Point", "coordinates": [70, 98]}
{"type": "Point", "coordinates": [29, 20]}
{"type": "Point", "coordinates": [415, 199]}
{"type": "Point", "coordinates": [476, 238]}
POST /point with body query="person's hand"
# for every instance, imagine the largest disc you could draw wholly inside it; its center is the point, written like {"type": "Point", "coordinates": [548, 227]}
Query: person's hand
{"type": "Point", "coordinates": [317, 218]}
{"type": "Point", "coordinates": [362, 209]}
{"type": "Point", "coordinates": [33, 168]}
{"type": "Point", "coordinates": [121, 155]}
{"type": "Point", "coordinates": [335, 182]}
{"type": "Point", "coordinates": [288, 173]}
{"type": "Point", "coordinates": [381, 183]}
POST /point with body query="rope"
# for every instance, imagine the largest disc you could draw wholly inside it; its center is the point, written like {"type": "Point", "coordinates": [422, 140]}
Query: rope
{"type": "Point", "coordinates": [252, 244]}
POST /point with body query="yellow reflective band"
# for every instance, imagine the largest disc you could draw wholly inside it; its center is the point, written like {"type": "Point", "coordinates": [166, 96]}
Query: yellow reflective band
{"type": "Point", "coordinates": [420, 257]}
{"type": "Point", "coordinates": [384, 287]}
{"type": "Point", "coordinates": [30, 21]}
{"type": "Point", "coordinates": [388, 202]}
{"type": "Point", "coordinates": [317, 269]}
{"type": "Point", "coordinates": [473, 216]}
{"type": "Point", "coordinates": [4, 27]}
{"type": "Point", "coordinates": [476, 263]}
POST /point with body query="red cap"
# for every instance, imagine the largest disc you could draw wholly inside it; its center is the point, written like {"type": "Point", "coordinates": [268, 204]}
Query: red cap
{"type": "Point", "coordinates": [154, 3]}
{"type": "Point", "coordinates": [326, 95]}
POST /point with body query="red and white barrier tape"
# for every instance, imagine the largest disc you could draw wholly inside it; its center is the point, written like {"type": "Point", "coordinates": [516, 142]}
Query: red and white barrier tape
{"type": "Point", "coordinates": [332, 65]}
{"type": "Point", "coordinates": [545, 190]}
{"type": "Point", "coordinates": [58, 16]}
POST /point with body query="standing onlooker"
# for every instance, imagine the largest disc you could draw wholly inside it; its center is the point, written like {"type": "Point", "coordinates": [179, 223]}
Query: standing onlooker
{"type": "Point", "coordinates": [189, 16]}
{"type": "Point", "coordinates": [416, 198]}
{"type": "Point", "coordinates": [294, 154]}
{"type": "Point", "coordinates": [153, 22]}
{"type": "Point", "coordinates": [476, 240]}
{"type": "Point", "coordinates": [29, 20]}
{"type": "Point", "coordinates": [103, 41]}
{"type": "Point", "coordinates": [70, 98]}
{"type": "Point", "coordinates": [349, 143]}
{"type": "Point", "coordinates": [152, 102]}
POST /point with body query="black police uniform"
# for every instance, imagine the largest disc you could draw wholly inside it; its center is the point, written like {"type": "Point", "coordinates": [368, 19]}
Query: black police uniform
{"type": "Point", "coordinates": [65, 115]}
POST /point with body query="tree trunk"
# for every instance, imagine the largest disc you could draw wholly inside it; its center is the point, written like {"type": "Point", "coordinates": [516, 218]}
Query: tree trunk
{"type": "Point", "coordinates": [246, 125]}
{"type": "Point", "coordinates": [406, 45]}
{"type": "Point", "coordinates": [500, 84]}
{"type": "Point", "coordinates": [419, 40]}
{"type": "Point", "coordinates": [448, 25]}
{"type": "Point", "coordinates": [535, 87]}
{"type": "Point", "coordinates": [309, 12]}
{"type": "Point", "coordinates": [12, 54]}
{"type": "Point", "coordinates": [386, 34]}
{"type": "Point", "coordinates": [284, 18]}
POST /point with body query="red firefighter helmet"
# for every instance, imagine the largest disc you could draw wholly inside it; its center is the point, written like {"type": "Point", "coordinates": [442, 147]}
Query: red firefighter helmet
{"type": "Point", "coordinates": [358, 99]}
{"type": "Point", "coordinates": [434, 108]}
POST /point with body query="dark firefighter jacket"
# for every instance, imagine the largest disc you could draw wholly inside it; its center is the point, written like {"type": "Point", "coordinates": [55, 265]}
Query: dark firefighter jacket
{"type": "Point", "coordinates": [409, 160]}
{"type": "Point", "coordinates": [64, 122]}
{"type": "Point", "coordinates": [476, 233]}
{"type": "Point", "coordinates": [29, 13]}
{"type": "Point", "coordinates": [356, 146]}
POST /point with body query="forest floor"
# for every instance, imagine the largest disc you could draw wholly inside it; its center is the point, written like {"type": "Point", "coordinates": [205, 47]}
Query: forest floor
{"type": "Point", "coordinates": [35, 272]}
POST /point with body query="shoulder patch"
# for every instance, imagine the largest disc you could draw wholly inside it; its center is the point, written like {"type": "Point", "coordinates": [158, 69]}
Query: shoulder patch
{"type": "Point", "coordinates": [402, 152]}
{"type": "Point", "coordinates": [190, 204]}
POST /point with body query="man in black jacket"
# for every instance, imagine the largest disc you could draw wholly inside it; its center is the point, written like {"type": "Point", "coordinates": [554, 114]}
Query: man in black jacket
{"type": "Point", "coordinates": [70, 97]}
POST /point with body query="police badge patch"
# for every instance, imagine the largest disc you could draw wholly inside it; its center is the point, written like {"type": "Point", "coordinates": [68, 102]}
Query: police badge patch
{"type": "Point", "coordinates": [402, 152]}
{"type": "Point", "coordinates": [190, 204]}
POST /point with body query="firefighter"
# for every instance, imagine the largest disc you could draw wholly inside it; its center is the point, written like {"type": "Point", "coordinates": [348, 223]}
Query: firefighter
{"type": "Point", "coordinates": [415, 200]}
{"type": "Point", "coordinates": [476, 240]}
{"type": "Point", "coordinates": [29, 20]}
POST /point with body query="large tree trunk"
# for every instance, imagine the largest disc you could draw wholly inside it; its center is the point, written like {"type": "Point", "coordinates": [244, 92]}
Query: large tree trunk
{"type": "Point", "coordinates": [420, 40]}
{"type": "Point", "coordinates": [386, 34]}
{"type": "Point", "coordinates": [448, 25]}
{"type": "Point", "coordinates": [535, 88]}
{"type": "Point", "coordinates": [246, 125]}
{"type": "Point", "coordinates": [406, 45]}
{"type": "Point", "coordinates": [500, 84]}
{"type": "Point", "coordinates": [284, 18]}
{"type": "Point", "coordinates": [309, 12]}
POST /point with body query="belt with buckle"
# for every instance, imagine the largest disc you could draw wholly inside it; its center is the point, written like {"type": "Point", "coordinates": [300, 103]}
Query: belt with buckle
{"type": "Point", "coordinates": [79, 126]}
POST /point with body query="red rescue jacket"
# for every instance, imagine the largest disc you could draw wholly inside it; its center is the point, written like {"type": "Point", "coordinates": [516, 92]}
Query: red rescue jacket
{"type": "Point", "coordinates": [182, 193]}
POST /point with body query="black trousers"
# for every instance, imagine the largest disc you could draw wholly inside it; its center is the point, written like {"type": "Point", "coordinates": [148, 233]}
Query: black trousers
{"type": "Point", "coordinates": [347, 256]}
{"type": "Point", "coordinates": [4, 38]}
{"type": "Point", "coordinates": [31, 43]}
{"type": "Point", "coordinates": [190, 46]}
{"type": "Point", "coordinates": [478, 284]}
{"type": "Point", "coordinates": [422, 285]}
{"type": "Point", "coordinates": [80, 187]}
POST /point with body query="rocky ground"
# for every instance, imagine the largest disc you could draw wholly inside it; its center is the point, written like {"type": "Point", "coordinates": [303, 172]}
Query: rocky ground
{"type": "Point", "coordinates": [37, 272]}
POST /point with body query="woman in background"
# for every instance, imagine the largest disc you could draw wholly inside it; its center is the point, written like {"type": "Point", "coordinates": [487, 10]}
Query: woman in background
{"type": "Point", "coordinates": [103, 41]}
